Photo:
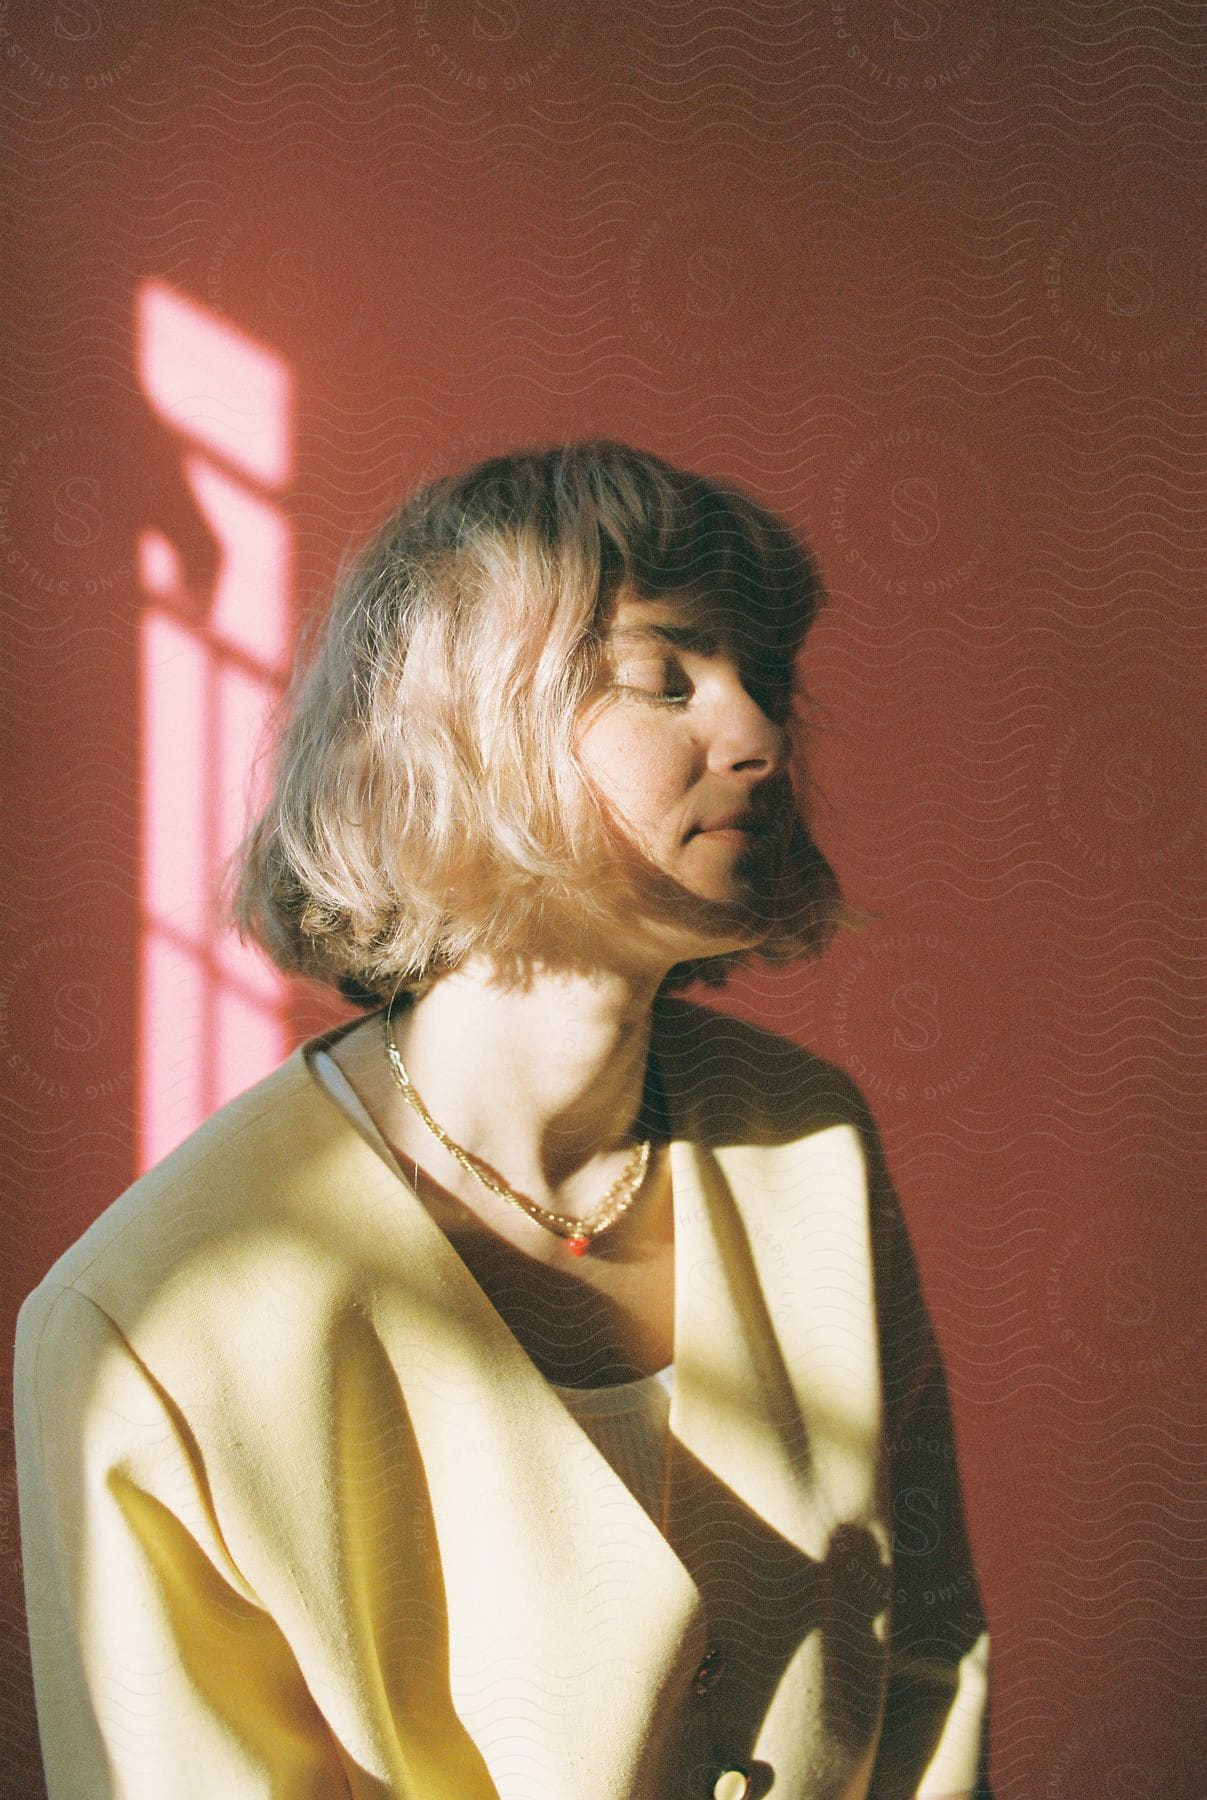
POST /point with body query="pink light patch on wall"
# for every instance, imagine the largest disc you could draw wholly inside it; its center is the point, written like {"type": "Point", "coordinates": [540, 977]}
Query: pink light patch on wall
{"type": "Point", "coordinates": [214, 385]}
{"type": "Point", "coordinates": [211, 665]}
{"type": "Point", "coordinates": [249, 605]}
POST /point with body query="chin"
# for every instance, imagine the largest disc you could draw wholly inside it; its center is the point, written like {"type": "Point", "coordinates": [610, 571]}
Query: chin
{"type": "Point", "coordinates": [721, 925]}
{"type": "Point", "coordinates": [752, 896]}
{"type": "Point", "coordinates": [698, 914]}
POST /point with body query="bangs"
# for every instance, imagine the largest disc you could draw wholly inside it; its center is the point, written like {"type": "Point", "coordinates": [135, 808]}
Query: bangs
{"type": "Point", "coordinates": [737, 570]}
{"type": "Point", "coordinates": [599, 511]}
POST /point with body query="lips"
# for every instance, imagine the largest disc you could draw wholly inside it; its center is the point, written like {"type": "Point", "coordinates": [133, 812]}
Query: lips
{"type": "Point", "coordinates": [739, 821]}
{"type": "Point", "coordinates": [768, 824]}
{"type": "Point", "coordinates": [765, 816]}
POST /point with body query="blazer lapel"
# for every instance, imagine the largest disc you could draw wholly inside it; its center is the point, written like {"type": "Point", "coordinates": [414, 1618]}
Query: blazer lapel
{"type": "Point", "coordinates": [771, 1250]}
{"type": "Point", "coordinates": [776, 1477]}
{"type": "Point", "coordinates": [770, 1243]}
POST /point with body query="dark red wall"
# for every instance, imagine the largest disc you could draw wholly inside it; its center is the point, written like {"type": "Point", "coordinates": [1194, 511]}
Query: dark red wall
{"type": "Point", "coordinates": [929, 279]}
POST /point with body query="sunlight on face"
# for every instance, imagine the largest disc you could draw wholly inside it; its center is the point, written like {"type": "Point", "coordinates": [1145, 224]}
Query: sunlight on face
{"type": "Point", "coordinates": [687, 749]}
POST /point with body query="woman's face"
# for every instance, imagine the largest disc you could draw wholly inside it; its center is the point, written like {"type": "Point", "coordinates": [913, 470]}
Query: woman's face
{"type": "Point", "coordinates": [688, 749]}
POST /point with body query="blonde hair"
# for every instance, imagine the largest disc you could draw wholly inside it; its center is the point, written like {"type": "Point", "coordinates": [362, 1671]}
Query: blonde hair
{"type": "Point", "coordinates": [425, 801]}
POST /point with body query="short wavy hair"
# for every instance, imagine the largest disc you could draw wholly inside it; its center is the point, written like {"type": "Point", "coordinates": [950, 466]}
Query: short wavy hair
{"type": "Point", "coordinates": [425, 801]}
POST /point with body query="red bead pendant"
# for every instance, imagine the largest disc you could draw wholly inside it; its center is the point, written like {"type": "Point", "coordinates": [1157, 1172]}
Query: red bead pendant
{"type": "Point", "coordinates": [578, 1246]}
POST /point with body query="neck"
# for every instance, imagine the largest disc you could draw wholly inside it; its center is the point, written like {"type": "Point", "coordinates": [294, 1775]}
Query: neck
{"type": "Point", "coordinates": [554, 1084]}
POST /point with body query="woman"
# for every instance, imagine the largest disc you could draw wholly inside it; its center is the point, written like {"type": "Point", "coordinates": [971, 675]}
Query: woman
{"type": "Point", "coordinates": [515, 1393]}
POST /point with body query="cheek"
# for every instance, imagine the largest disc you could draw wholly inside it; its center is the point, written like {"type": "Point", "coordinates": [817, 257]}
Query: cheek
{"type": "Point", "coordinates": [635, 765]}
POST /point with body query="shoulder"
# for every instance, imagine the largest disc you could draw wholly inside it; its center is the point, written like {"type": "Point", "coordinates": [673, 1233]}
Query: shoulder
{"type": "Point", "coordinates": [177, 1229]}
{"type": "Point", "coordinates": [787, 1122]}
{"type": "Point", "coordinates": [733, 1077]}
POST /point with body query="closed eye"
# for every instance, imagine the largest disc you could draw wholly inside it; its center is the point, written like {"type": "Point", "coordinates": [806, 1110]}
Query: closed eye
{"type": "Point", "coordinates": [671, 696]}
{"type": "Point", "coordinates": [667, 683]}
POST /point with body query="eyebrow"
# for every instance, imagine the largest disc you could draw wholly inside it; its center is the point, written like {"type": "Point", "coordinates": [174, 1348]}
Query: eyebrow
{"type": "Point", "coordinates": [683, 637]}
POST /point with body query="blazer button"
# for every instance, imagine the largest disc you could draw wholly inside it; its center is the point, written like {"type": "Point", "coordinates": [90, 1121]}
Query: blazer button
{"type": "Point", "coordinates": [733, 1784]}
{"type": "Point", "coordinates": [709, 1671]}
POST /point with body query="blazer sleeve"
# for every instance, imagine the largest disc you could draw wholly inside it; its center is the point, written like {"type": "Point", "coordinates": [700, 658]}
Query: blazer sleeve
{"type": "Point", "coordinates": [157, 1675]}
{"type": "Point", "coordinates": [934, 1741]}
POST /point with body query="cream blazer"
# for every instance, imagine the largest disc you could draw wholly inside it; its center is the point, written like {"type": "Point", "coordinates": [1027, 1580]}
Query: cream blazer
{"type": "Point", "coordinates": [302, 1519]}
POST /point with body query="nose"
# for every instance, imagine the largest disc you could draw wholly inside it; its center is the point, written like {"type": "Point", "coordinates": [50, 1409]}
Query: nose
{"type": "Point", "coordinates": [744, 738]}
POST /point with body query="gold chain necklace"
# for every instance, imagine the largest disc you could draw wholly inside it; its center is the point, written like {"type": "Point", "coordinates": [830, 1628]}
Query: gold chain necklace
{"type": "Point", "coordinates": [577, 1233]}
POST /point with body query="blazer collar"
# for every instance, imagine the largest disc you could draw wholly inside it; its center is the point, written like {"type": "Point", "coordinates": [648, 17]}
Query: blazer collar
{"type": "Point", "coordinates": [769, 1240]}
